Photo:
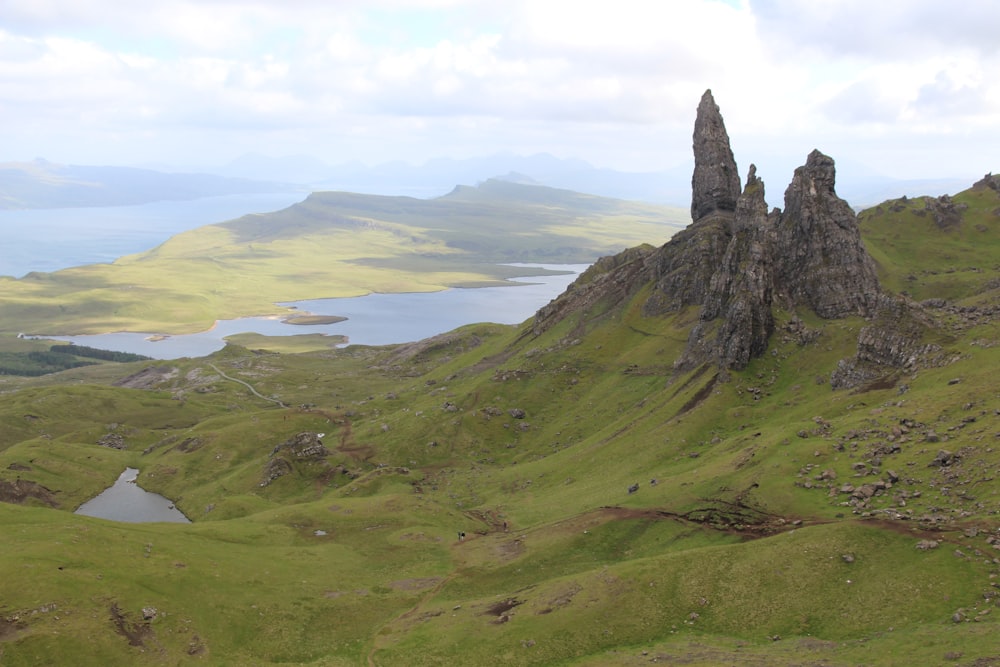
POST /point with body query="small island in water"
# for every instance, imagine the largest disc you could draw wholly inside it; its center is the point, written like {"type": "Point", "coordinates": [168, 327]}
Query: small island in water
{"type": "Point", "coordinates": [306, 319]}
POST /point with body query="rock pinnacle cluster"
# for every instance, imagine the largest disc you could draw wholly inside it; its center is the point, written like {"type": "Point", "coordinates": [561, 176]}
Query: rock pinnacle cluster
{"type": "Point", "coordinates": [738, 262]}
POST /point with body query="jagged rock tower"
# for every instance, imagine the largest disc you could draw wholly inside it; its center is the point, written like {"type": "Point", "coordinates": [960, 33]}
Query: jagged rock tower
{"type": "Point", "coordinates": [715, 184]}
{"type": "Point", "coordinates": [808, 255]}
{"type": "Point", "coordinates": [737, 261]}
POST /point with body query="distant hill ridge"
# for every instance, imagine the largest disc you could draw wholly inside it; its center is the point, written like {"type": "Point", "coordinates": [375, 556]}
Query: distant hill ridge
{"type": "Point", "coordinates": [672, 185]}
{"type": "Point", "coordinates": [43, 184]}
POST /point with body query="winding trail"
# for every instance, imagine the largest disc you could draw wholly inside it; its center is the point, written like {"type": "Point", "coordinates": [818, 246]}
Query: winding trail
{"type": "Point", "coordinates": [247, 385]}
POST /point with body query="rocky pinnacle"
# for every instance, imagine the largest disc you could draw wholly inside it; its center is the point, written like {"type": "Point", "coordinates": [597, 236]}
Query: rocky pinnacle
{"type": "Point", "coordinates": [715, 185]}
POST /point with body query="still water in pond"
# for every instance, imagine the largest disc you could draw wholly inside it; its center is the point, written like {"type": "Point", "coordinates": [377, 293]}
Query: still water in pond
{"type": "Point", "coordinates": [128, 502]}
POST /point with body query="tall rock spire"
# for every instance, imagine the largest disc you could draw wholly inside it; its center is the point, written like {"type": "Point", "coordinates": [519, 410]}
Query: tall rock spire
{"type": "Point", "coordinates": [715, 185]}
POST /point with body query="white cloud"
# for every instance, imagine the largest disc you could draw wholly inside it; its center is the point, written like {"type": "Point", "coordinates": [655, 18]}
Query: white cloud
{"type": "Point", "coordinates": [614, 83]}
{"type": "Point", "coordinates": [893, 29]}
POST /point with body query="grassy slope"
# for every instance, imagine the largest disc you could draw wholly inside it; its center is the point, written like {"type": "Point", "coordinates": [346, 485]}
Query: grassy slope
{"type": "Point", "coordinates": [330, 245]}
{"type": "Point", "coordinates": [743, 539]}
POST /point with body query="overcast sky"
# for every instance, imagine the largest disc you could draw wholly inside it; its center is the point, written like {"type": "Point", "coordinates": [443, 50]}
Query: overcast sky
{"type": "Point", "coordinates": [907, 88]}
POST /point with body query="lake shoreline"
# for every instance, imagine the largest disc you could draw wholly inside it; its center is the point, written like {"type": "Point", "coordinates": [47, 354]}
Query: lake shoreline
{"type": "Point", "coordinates": [310, 318]}
{"type": "Point", "coordinates": [375, 319]}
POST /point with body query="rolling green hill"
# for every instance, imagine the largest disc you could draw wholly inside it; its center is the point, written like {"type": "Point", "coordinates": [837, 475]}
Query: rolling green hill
{"type": "Point", "coordinates": [747, 547]}
{"type": "Point", "coordinates": [609, 483]}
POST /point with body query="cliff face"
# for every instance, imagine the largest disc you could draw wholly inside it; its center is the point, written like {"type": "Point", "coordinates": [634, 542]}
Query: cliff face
{"type": "Point", "coordinates": [740, 292]}
{"type": "Point", "coordinates": [738, 262]}
{"type": "Point", "coordinates": [715, 184]}
{"type": "Point", "coordinates": [820, 261]}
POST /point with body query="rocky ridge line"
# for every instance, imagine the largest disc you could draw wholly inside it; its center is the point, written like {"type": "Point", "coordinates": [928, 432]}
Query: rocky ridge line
{"type": "Point", "coordinates": [738, 263]}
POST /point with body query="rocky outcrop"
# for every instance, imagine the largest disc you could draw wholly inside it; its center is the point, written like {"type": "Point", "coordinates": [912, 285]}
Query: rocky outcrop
{"type": "Point", "coordinates": [739, 262]}
{"type": "Point", "coordinates": [988, 182]}
{"type": "Point", "coordinates": [682, 270]}
{"type": "Point", "coordinates": [304, 445]}
{"type": "Point", "coordinates": [736, 320]}
{"type": "Point", "coordinates": [808, 255]}
{"type": "Point", "coordinates": [947, 214]}
{"type": "Point", "coordinates": [274, 469]}
{"type": "Point", "coordinates": [25, 492]}
{"type": "Point", "coordinates": [894, 339]}
{"type": "Point", "coordinates": [609, 281]}
{"type": "Point", "coordinates": [148, 378]}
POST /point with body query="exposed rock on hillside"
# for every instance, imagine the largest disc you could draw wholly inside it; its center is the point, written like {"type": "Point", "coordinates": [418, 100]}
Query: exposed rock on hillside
{"type": "Point", "coordinates": [22, 491]}
{"type": "Point", "coordinates": [988, 181]}
{"type": "Point", "coordinates": [892, 340]}
{"type": "Point", "coordinates": [946, 213]}
{"type": "Point", "coordinates": [303, 446]}
{"type": "Point", "coordinates": [148, 378]}
{"type": "Point", "coordinates": [608, 281]}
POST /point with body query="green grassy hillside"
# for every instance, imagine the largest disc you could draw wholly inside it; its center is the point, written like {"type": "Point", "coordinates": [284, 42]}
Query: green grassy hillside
{"type": "Point", "coordinates": [332, 244]}
{"type": "Point", "coordinates": [773, 520]}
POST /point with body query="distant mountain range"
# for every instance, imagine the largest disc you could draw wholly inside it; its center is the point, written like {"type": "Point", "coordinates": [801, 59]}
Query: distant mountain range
{"type": "Point", "coordinates": [856, 183]}
{"type": "Point", "coordinates": [43, 184]}
{"type": "Point", "coordinates": [438, 176]}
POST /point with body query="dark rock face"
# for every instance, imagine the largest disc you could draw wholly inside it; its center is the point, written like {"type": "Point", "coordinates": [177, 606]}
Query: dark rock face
{"type": "Point", "coordinates": [736, 260]}
{"type": "Point", "coordinates": [741, 290]}
{"type": "Point", "coordinates": [820, 260]}
{"type": "Point", "coordinates": [683, 268]}
{"type": "Point", "coordinates": [715, 185]}
{"type": "Point", "coordinates": [736, 321]}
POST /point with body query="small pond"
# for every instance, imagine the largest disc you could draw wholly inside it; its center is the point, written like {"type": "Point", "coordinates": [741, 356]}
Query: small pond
{"type": "Point", "coordinates": [128, 502]}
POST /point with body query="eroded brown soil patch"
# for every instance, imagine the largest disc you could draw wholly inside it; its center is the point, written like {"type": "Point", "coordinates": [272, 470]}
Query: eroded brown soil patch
{"type": "Point", "coordinates": [9, 630]}
{"type": "Point", "coordinates": [137, 632]}
{"type": "Point", "coordinates": [20, 490]}
{"type": "Point", "coordinates": [502, 607]}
